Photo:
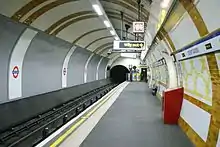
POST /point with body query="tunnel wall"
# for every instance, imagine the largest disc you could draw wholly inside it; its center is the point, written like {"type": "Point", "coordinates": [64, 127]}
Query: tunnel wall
{"type": "Point", "coordinates": [8, 31]}
{"type": "Point", "coordinates": [42, 65]}
{"type": "Point", "coordinates": [77, 66]}
{"type": "Point", "coordinates": [33, 62]}
{"type": "Point", "coordinates": [190, 27]}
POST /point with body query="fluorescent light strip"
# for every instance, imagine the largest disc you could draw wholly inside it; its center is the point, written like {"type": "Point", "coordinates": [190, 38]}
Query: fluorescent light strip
{"type": "Point", "coordinates": [107, 24]}
{"type": "Point", "coordinates": [97, 9]}
{"type": "Point", "coordinates": [112, 32]}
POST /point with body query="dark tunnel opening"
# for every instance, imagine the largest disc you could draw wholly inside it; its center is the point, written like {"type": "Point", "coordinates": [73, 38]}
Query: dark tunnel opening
{"type": "Point", "coordinates": [118, 73]}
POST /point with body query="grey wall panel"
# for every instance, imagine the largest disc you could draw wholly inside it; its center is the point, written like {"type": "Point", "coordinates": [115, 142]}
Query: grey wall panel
{"type": "Point", "coordinates": [102, 68]}
{"type": "Point", "coordinates": [92, 68]}
{"type": "Point", "coordinates": [43, 62]}
{"type": "Point", "coordinates": [9, 34]}
{"type": "Point", "coordinates": [76, 66]}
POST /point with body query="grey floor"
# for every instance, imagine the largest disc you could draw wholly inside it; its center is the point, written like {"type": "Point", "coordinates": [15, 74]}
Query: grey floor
{"type": "Point", "coordinates": [134, 120]}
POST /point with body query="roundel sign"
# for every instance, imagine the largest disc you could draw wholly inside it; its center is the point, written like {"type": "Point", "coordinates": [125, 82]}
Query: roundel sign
{"type": "Point", "coordinates": [15, 72]}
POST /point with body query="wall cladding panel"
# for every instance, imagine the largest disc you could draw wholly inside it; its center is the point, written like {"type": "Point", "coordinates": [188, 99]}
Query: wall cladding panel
{"type": "Point", "coordinates": [9, 34]}
{"type": "Point", "coordinates": [178, 34]}
{"type": "Point", "coordinates": [76, 66]}
{"type": "Point", "coordinates": [210, 13]}
{"type": "Point", "coordinates": [43, 65]}
{"type": "Point", "coordinates": [199, 125]}
{"type": "Point", "coordinates": [92, 68]}
{"type": "Point", "coordinates": [102, 68]}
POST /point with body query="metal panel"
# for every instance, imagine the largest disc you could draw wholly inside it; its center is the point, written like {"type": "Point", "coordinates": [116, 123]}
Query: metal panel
{"type": "Point", "coordinates": [92, 66]}
{"type": "Point", "coordinates": [43, 65]}
{"type": "Point", "coordinates": [76, 66]}
{"type": "Point", "coordinates": [9, 34]}
{"type": "Point", "coordinates": [102, 68]}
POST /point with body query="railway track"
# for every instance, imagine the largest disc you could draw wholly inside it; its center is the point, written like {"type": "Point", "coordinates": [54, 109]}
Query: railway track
{"type": "Point", "coordinates": [36, 129]}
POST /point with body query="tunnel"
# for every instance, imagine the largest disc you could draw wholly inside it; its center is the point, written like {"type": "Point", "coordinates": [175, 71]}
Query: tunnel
{"type": "Point", "coordinates": [119, 73]}
{"type": "Point", "coordinates": [63, 66]}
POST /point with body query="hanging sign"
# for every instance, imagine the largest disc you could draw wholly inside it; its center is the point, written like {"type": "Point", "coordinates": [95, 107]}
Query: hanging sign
{"type": "Point", "coordinates": [129, 45]}
{"type": "Point", "coordinates": [138, 27]}
{"type": "Point", "coordinates": [210, 43]}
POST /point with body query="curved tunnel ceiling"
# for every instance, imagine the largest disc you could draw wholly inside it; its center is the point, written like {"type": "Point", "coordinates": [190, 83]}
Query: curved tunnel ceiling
{"type": "Point", "coordinates": [75, 20]}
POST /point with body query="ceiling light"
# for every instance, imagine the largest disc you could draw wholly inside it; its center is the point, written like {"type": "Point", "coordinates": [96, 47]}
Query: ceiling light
{"type": "Point", "coordinates": [107, 24]}
{"type": "Point", "coordinates": [112, 32]}
{"type": "Point", "coordinates": [97, 9]}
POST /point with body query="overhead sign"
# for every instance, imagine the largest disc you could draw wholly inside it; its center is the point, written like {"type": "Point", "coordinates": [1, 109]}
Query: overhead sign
{"type": "Point", "coordinates": [15, 72]}
{"type": "Point", "coordinates": [204, 46]}
{"type": "Point", "coordinates": [129, 45]}
{"type": "Point", "coordinates": [138, 27]}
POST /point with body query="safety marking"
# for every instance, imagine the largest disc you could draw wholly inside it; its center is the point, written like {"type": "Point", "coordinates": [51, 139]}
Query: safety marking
{"type": "Point", "coordinates": [15, 72]}
{"type": "Point", "coordinates": [82, 119]}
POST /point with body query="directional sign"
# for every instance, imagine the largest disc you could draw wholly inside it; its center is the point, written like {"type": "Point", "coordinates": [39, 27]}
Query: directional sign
{"type": "Point", "coordinates": [15, 72]}
{"type": "Point", "coordinates": [129, 45]}
{"type": "Point", "coordinates": [138, 27]}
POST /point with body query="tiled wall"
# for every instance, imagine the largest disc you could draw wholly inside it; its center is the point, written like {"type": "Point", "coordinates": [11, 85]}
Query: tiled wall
{"type": "Point", "coordinates": [200, 76]}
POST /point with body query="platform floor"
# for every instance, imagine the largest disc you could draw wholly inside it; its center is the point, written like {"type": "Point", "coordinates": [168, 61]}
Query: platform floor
{"type": "Point", "coordinates": [134, 120]}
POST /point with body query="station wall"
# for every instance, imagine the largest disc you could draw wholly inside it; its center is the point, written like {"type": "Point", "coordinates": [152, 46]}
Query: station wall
{"type": "Point", "coordinates": [33, 62]}
{"type": "Point", "coordinates": [191, 25]}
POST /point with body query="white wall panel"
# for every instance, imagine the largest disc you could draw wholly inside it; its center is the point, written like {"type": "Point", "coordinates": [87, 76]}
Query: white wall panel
{"type": "Point", "coordinates": [209, 9]}
{"type": "Point", "coordinates": [50, 17]}
{"type": "Point", "coordinates": [9, 7]}
{"type": "Point", "coordinates": [80, 28]}
{"type": "Point", "coordinates": [16, 64]}
{"type": "Point", "coordinates": [201, 124]}
{"type": "Point", "coordinates": [184, 33]}
{"type": "Point", "coordinates": [218, 143]}
{"type": "Point", "coordinates": [65, 66]}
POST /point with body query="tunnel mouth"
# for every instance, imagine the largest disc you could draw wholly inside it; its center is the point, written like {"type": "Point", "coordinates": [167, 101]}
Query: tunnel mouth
{"type": "Point", "coordinates": [118, 73]}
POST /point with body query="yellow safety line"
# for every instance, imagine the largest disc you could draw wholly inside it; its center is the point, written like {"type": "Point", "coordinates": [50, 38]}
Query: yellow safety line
{"type": "Point", "coordinates": [82, 119]}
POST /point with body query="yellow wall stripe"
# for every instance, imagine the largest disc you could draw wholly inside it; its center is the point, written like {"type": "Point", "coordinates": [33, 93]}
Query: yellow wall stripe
{"type": "Point", "coordinates": [128, 7]}
{"type": "Point", "coordinates": [59, 29]}
{"type": "Point", "coordinates": [102, 46]}
{"type": "Point", "coordinates": [44, 9]}
{"type": "Point", "coordinates": [215, 119]}
{"type": "Point", "coordinates": [198, 103]}
{"type": "Point", "coordinates": [25, 9]}
{"type": "Point", "coordinates": [214, 73]}
{"type": "Point", "coordinates": [87, 33]}
{"type": "Point", "coordinates": [101, 38]}
{"type": "Point", "coordinates": [195, 16]}
{"type": "Point", "coordinates": [64, 19]}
